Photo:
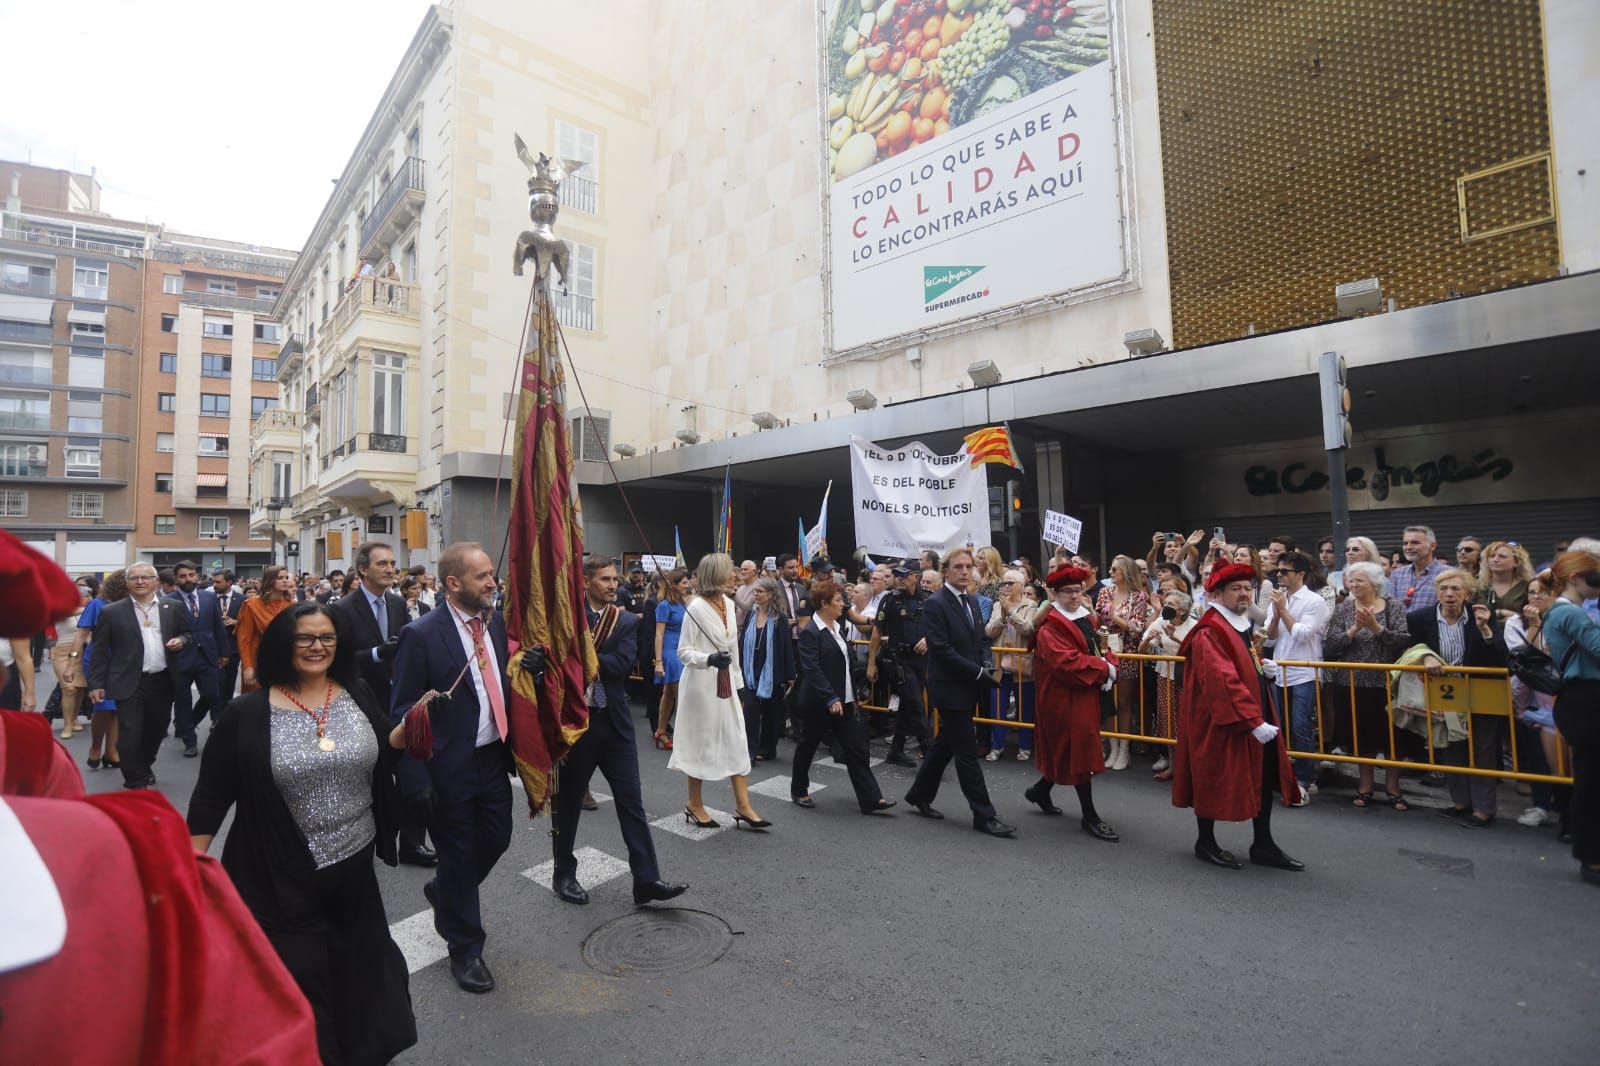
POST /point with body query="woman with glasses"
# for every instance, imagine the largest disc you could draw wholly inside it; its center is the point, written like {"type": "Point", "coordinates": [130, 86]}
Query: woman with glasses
{"type": "Point", "coordinates": [1011, 626]}
{"type": "Point", "coordinates": [1503, 573]}
{"type": "Point", "coordinates": [1365, 627]}
{"type": "Point", "coordinates": [1358, 550]}
{"type": "Point", "coordinates": [255, 614]}
{"type": "Point", "coordinates": [298, 762]}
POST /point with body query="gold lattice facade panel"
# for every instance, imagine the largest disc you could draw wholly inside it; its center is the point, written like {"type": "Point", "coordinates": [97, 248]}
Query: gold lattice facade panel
{"type": "Point", "coordinates": [1307, 143]}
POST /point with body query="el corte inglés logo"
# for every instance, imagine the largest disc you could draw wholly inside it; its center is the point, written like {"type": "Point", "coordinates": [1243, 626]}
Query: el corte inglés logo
{"type": "Point", "coordinates": [938, 280]}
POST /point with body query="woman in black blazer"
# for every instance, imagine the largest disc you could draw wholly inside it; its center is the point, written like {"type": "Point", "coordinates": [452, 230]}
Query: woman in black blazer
{"type": "Point", "coordinates": [827, 703]}
{"type": "Point", "coordinates": [766, 654]}
{"type": "Point", "coordinates": [300, 760]}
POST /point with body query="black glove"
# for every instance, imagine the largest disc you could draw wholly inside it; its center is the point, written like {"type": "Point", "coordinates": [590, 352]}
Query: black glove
{"type": "Point", "coordinates": [419, 807]}
{"type": "Point", "coordinates": [534, 660]}
{"type": "Point", "coordinates": [719, 660]}
{"type": "Point", "coordinates": [387, 650]}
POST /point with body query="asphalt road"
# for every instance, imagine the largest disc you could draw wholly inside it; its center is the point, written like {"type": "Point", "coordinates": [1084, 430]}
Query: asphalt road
{"type": "Point", "coordinates": [902, 940]}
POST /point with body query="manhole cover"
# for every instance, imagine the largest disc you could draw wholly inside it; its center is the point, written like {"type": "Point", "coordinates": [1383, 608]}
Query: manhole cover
{"type": "Point", "coordinates": [1455, 865]}
{"type": "Point", "coordinates": [657, 943]}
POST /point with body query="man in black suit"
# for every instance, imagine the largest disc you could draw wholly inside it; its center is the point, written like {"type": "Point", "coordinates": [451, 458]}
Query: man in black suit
{"type": "Point", "coordinates": [960, 675]}
{"type": "Point", "coordinates": [607, 746]}
{"type": "Point", "coordinates": [199, 663]}
{"type": "Point", "coordinates": [136, 645]}
{"type": "Point", "coordinates": [828, 702]}
{"type": "Point", "coordinates": [1465, 634]}
{"type": "Point", "coordinates": [797, 598]}
{"type": "Point", "coordinates": [373, 619]}
{"type": "Point", "coordinates": [229, 600]}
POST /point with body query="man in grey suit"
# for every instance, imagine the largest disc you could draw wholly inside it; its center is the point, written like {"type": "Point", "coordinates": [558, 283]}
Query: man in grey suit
{"type": "Point", "coordinates": [136, 644]}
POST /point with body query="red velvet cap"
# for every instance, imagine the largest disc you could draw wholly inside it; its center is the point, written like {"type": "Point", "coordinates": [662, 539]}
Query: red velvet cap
{"type": "Point", "coordinates": [1228, 574]}
{"type": "Point", "coordinates": [35, 591]}
{"type": "Point", "coordinates": [1067, 575]}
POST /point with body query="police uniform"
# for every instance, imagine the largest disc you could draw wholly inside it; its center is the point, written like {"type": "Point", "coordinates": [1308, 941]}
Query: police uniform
{"type": "Point", "coordinates": [900, 622]}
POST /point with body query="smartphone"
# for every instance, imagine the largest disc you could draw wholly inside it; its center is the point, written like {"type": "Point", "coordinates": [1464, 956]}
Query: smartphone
{"type": "Point", "coordinates": [1218, 534]}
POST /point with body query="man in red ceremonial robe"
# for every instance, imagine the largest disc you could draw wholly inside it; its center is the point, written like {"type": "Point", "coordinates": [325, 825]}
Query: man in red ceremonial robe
{"type": "Point", "coordinates": [1228, 761]}
{"type": "Point", "coordinates": [1070, 672]}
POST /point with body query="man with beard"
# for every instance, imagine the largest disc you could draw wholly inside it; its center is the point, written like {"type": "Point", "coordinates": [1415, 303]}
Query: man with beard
{"type": "Point", "coordinates": [199, 663]}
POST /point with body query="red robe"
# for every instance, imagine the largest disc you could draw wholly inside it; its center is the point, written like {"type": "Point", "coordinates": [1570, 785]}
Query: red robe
{"type": "Point", "coordinates": [1066, 736]}
{"type": "Point", "coordinates": [1216, 765]}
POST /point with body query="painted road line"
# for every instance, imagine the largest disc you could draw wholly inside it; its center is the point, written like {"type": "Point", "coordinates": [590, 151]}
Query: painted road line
{"type": "Point", "coordinates": [595, 867]}
{"type": "Point", "coordinates": [679, 826]}
{"type": "Point", "coordinates": [421, 946]}
{"type": "Point", "coordinates": [599, 797]}
{"type": "Point", "coordinates": [831, 765]}
{"type": "Point", "coordinates": [778, 787]}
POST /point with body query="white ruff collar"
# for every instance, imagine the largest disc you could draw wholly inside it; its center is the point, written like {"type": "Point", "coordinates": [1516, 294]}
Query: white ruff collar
{"type": "Point", "coordinates": [1241, 622]}
{"type": "Point", "coordinates": [1081, 612]}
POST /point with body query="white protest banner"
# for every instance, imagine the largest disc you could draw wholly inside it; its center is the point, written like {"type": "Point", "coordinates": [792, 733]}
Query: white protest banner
{"type": "Point", "coordinates": [909, 499]}
{"type": "Point", "coordinates": [1062, 530]}
{"type": "Point", "coordinates": [814, 542]}
{"type": "Point", "coordinates": [653, 563]}
{"type": "Point", "coordinates": [769, 563]}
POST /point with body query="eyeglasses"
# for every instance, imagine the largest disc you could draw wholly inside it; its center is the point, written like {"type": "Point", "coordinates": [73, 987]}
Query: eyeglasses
{"type": "Point", "coordinates": [1352, 550]}
{"type": "Point", "coordinates": [305, 640]}
{"type": "Point", "coordinates": [141, 577]}
{"type": "Point", "coordinates": [1010, 582]}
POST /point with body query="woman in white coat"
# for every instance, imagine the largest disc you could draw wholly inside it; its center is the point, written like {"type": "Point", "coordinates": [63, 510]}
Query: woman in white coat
{"type": "Point", "coordinates": [709, 741]}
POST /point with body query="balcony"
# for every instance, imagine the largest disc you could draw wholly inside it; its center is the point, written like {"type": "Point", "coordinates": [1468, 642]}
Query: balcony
{"type": "Point", "coordinates": [574, 311]}
{"type": "Point", "coordinates": [263, 523]}
{"type": "Point", "coordinates": [580, 193]}
{"type": "Point", "coordinates": [228, 301]}
{"type": "Point", "coordinates": [32, 286]}
{"type": "Point", "coordinates": [276, 428]}
{"type": "Point", "coordinates": [378, 311]}
{"type": "Point", "coordinates": [289, 355]}
{"type": "Point", "coordinates": [313, 411]}
{"type": "Point", "coordinates": [398, 207]}
{"type": "Point", "coordinates": [369, 469]}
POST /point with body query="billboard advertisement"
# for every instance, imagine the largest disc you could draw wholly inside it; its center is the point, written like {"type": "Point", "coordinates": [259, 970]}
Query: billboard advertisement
{"type": "Point", "coordinates": [972, 160]}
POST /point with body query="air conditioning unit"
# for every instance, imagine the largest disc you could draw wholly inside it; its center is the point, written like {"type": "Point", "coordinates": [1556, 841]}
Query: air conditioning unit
{"type": "Point", "coordinates": [124, 253]}
{"type": "Point", "coordinates": [379, 523]}
{"type": "Point", "coordinates": [591, 436]}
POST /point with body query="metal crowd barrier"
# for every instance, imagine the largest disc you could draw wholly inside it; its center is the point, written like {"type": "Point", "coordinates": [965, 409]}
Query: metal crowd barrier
{"type": "Point", "coordinates": [1474, 692]}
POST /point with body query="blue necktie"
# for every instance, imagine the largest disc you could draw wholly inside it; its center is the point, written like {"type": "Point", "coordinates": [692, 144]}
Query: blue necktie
{"type": "Point", "coordinates": [383, 618]}
{"type": "Point", "coordinates": [598, 689]}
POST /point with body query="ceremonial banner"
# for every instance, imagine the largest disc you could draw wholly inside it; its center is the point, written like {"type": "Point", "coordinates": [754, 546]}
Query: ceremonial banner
{"type": "Point", "coordinates": [909, 499]}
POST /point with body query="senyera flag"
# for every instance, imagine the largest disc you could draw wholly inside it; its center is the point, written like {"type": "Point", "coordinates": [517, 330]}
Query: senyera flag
{"type": "Point", "coordinates": [992, 444]}
{"type": "Point", "coordinates": [545, 601]}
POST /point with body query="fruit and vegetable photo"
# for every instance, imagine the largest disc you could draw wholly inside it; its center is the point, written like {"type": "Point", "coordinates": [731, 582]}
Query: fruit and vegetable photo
{"type": "Point", "coordinates": [904, 72]}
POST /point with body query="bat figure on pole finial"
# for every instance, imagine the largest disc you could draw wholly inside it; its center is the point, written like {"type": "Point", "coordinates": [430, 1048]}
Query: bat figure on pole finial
{"type": "Point", "coordinates": [541, 244]}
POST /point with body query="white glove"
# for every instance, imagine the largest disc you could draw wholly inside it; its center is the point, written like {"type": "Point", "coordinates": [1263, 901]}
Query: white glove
{"type": "Point", "coordinates": [1270, 668]}
{"type": "Point", "coordinates": [1111, 679]}
{"type": "Point", "coordinates": [1264, 733]}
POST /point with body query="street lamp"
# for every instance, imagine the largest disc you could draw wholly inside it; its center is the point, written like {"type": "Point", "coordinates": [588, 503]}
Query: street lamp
{"type": "Point", "coordinates": [274, 509]}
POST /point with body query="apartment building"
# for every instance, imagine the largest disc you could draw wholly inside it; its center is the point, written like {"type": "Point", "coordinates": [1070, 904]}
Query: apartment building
{"type": "Point", "coordinates": [70, 295]}
{"type": "Point", "coordinates": [209, 383]}
{"type": "Point", "coordinates": [402, 313]}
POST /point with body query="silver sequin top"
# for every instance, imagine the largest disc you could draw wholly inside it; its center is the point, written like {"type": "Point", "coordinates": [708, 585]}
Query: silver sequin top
{"type": "Point", "coordinates": [329, 793]}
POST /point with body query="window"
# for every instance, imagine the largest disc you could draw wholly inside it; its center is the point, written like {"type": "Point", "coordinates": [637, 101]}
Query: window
{"type": "Point", "coordinates": [218, 328]}
{"type": "Point", "coordinates": [579, 190]}
{"type": "Point", "coordinates": [28, 277]}
{"type": "Point", "coordinates": [13, 503]}
{"type": "Point", "coordinates": [25, 410]}
{"type": "Point", "coordinates": [576, 308]}
{"type": "Point", "coordinates": [259, 404]}
{"type": "Point", "coordinates": [166, 402]}
{"type": "Point", "coordinates": [85, 413]}
{"type": "Point", "coordinates": [90, 279]}
{"type": "Point", "coordinates": [269, 332]}
{"type": "Point", "coordinates": [336, 426]}
{"type": "Point", "coordinates": [86, 368]}
{"type": "Point", "coordinates": [166, 523]}
{"type": "Point", "coordinates": [83, 459]}
{"type": "Point", "coordinates": [86, 504]}
{"type": "Point", "coordinates": [264, 369]}
{"type": "Point", "coordinates": [213, 444]}
{"type": "Point", "coordinates": [216, 366]}
{"type": "Point", "coordinates": [268, 292]}
{"type": "Point", "coordinates": [164, 483]}
{"type": "Point", "coordinates": [21, 458]}
{"type": "Point", "coordinates": [213, 526]}
{"type": "Point", "coordinates": [25, 366]}
{"type": "Point", "coordinates": [410, 258]}
{"type": "Point", "coordinates": [344, 261]}
{"type": "Point", "coordinates": [216, 404]}
{"type": "Point", "coordinates": [164, 442]}
{"type": "Point", "coordinates": [281, 469]}
{"type": "Point", "coordinates": [222, 286]}
{"type": "Point", "coordinates": [169, 362]}
{"type": "Point", "coordinates": [172, 284]}
{"type": "Point", "coordinates": [169, 323]}
{"type": "Point", "coordinates": [414, 141]}
{"type": "Point", "coordinates": [88, 333]}
{"type": "Point", "coordinates": [25, 331]}
{"type": "Point", "coordinates": [388, 393]}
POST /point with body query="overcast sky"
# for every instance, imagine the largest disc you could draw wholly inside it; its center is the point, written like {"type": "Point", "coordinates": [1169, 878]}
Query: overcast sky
{"type": "Point", "coordinates": [224, 120]}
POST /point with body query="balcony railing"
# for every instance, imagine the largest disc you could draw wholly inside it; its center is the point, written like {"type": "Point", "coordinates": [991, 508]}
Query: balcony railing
{"type": "Point", "coordinates": [313, 404]}
{"type": "Point", "coordinates": [405, 183]}
{"type": "Point", "coordinates": [24, 420]}
{"type": "Point", "coordinates": [32, 286]}
{"type": "Point", "coordinates": [25, 375]}
{"type": "Point", "coordinates": [274, 418]}
{"type": "Point", "coordinates": [382, 295]}
{"type": "Point", "coordinates": [580, 193]}
{"type": "Point", "coordinates": [574, 311]}
{"type": "Point", "coordinates": [386, 442]}
{"type": "Point", "coordinates": [289, 354]}
{"type": "Point", "coordinates": [222, 260]}
{"type": "Point", "coordinates": [231, 301]}
{"type": "Point", "coordinates": [56, 240]}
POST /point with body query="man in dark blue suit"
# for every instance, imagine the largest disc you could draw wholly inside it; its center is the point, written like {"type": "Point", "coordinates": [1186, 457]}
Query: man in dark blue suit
{"type": "Point", "coordinates": [229, 600]}
{"type": "Point", "coordinates": [463, 791]}
{"type": "Point", "coordinates": [199, 661]}
{"type": "Point", "coordinates": [960, 674]}
{"type": "Point", "coordinates": [607, 746]}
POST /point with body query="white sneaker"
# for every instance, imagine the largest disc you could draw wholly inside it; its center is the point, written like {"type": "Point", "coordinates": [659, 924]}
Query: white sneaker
{"type": "Point", "coordinates": [1302, 799]}
{"type": "Point", "coordinates": [993, 756]}
{"type": "Point", "coordinates": [1533, 816]}
{"type": "Point", "coordinates": [1161, 764]}
{"type": "Point", "coordinates": [1023, 754]}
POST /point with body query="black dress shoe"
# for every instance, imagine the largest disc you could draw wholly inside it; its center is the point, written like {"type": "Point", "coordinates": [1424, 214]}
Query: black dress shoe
{"type": "Point", "coordinates": [1099, 830]}
{"type": "Point", "coordinates": [926, 810]}
{"type": "Point", "coordinates": [993, 826]}
{"type": "Point", "coordinates": [419, 855]}
{"type": "Point", "coordinates": [472, 974]}
{"type": "Point", "coordinates": [190, 750]}
{"type": "Point", "coordinates": [1043, 803]}
{"type": "Point", "coordinates": [900, 758]}
{"type": "Point", "coordinates": [803, 801]}
{"type": "Point", "coordinates": [656, 892]}
{"type": "Point", "coordinates": [566, 886]}
{"type": "Point", "coordinates": [1275, 858]}
{"type": "Point", "coordinates": [882, 805]}
{"type": "Point", "coordinates": [1217, 857]}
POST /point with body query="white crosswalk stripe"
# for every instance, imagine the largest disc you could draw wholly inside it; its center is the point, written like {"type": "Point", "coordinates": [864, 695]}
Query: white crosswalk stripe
{"type": "Point", "coordinates": [595, 867]}
{"type": "Point", "coordinates": [777, 787]}
{"type": "Point", "coordinates": [677, 825]}
{"type": "Point", "coordinates": [418, 942]}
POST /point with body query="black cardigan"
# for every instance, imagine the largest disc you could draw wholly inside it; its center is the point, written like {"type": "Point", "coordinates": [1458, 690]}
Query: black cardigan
{"type": "Point", "coordinates": [266, 855]}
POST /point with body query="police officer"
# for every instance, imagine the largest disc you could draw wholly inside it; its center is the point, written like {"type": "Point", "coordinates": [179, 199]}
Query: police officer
{"type": "Point", "coordinates": [898, 640]}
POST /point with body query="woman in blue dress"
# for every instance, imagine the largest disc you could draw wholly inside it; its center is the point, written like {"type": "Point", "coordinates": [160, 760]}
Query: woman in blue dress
{"type": "Point", "coordinates": [102, 715]}
{"type": "Point", "coordinates": [669, 623]}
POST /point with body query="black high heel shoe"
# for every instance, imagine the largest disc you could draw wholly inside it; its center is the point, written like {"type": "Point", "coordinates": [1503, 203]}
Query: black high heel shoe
{"type": "Point", "coordinates": [709, 823]}
{"type": "Point", "coordinates": [753, 823]}
{"type": "Point", "coordinates": [94, 764]}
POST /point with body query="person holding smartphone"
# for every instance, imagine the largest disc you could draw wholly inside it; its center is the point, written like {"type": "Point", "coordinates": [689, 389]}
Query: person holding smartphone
{"type": "Point", "coordinates": [1165, 636]}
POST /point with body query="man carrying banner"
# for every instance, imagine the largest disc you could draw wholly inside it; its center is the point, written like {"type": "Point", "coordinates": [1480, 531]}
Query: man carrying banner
{"type": "Point", "coordinates": [899, 652]}
{"type": "Point", "coordinates": [607, 746]}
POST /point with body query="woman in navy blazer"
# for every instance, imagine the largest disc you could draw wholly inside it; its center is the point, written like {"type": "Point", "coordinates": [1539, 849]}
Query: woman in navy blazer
{"type": "Point", "coordinates": [769, 669]}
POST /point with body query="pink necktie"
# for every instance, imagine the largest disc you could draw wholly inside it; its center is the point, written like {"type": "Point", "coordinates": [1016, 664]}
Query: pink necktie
{"type": "Point", "coordinates": [491, 677]}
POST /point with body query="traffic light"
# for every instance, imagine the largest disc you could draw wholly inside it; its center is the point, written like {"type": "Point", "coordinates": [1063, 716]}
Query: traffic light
{"type": "Point", "coordinates": [1013, 504]}
{"type": "Point", "coordinates": [1333, 379]}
